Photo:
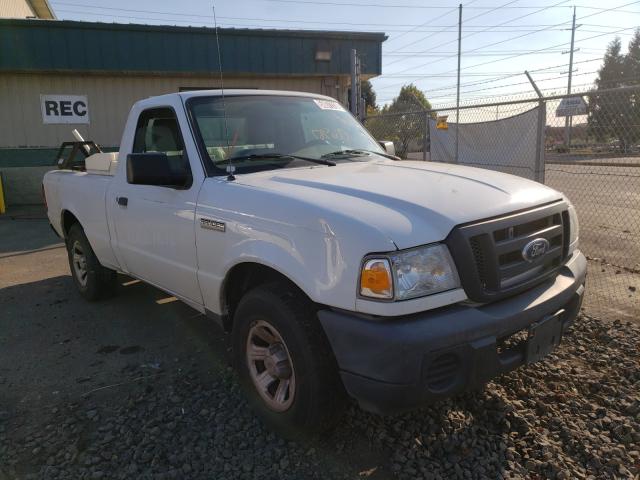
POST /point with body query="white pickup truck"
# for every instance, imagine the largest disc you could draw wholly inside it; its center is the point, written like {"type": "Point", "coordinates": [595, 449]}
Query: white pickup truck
{"type": "Point", "coordinates": [338, 270]}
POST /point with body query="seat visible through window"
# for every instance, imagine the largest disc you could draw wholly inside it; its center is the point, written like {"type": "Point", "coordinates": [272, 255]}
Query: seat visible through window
{"type": "Point", "coordinates": [158, 131]}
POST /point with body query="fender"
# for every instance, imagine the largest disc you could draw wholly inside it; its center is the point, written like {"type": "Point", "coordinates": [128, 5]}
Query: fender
{"type": "Point", "coordinates": [90, 214]}
{"type": "Point", "coordinates": [315, 263]}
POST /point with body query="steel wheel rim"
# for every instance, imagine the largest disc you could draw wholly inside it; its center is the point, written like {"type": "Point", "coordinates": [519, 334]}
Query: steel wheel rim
{"type": "Point", "coordinates": [270, 366]}
{"type": "Point", "coordinates": [79, 261]}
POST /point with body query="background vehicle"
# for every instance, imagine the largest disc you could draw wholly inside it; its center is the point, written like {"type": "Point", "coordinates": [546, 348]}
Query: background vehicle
{"type": "Point", "coordinates": [335, 268]}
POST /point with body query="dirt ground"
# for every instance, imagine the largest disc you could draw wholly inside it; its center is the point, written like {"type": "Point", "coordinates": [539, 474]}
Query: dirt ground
{"type": "Point", "coordinates": [139, 387]}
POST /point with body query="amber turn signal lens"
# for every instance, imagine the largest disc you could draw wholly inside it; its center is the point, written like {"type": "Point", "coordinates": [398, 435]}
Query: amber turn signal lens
{"type": "Point", "coordinates": [375, 279]}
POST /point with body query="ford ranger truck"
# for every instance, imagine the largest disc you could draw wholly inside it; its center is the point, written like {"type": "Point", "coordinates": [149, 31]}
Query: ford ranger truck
{"type": "Point", "coordinates": [337, 270]}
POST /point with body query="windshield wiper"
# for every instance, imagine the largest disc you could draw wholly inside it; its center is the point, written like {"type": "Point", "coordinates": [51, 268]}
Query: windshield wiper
{"type": "Point", "coordinates": [252, 156]}
{"type": "Point", "coordinates": [357, 153]}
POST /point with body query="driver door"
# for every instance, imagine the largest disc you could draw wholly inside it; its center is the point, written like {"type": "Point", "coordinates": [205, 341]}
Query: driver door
{"type": "Point", "coordinates": [154, 224]}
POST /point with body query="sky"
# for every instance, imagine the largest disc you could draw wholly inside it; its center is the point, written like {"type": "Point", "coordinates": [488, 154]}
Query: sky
{"type": "Point", "coordinates": [500, 38]}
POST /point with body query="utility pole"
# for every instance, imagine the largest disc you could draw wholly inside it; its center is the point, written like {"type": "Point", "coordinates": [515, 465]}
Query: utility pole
{"type": "Point", "coordinates": [458, 85]}
{"type": "Point", "coordinates": [568, 120]}
{"type": "Point", "coordinates": [354, 81]}
{"type": "Point", "coordinates": [359, 106]}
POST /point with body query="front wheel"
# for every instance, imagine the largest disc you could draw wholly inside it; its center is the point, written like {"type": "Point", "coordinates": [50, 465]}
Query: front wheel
{"type": "Point", "coordinates": [92, 280]}
{"type": "Point", "coordinates": [284, 361]}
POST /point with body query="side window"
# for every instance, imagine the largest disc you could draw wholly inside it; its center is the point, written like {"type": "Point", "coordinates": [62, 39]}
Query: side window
{"type": "Point", "coordinates": [158, 131]}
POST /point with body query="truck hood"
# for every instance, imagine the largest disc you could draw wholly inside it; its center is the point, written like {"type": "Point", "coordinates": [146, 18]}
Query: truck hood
{"type": "Point", "coordinates": [411, 203]}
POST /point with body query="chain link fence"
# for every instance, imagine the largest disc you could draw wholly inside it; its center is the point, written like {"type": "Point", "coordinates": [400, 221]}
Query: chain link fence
{"type": "Point", "coordinates": [592, 156]}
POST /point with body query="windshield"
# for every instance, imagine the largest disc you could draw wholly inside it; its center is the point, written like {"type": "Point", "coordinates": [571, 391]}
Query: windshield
{"type": "Point", "coordinates": [295, 130]}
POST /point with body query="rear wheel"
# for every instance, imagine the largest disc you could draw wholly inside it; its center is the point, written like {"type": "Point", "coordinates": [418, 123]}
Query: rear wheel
{"type": "Point", "coordinates": [92, 280]}
{"type": "Point", "coordinates": [284, 361]}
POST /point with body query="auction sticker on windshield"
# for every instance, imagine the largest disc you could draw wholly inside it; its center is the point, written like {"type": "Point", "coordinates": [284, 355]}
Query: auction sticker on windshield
{"type": "Point", "coordinates": [328, 104]}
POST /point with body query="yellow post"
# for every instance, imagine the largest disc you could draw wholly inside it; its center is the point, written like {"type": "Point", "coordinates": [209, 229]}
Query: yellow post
{"type": "Point", "coordinates": [3, 207]}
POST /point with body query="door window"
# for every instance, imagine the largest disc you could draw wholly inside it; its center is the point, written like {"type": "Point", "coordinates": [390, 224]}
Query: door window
{"type": "Point", "coordinates": [158, 131]}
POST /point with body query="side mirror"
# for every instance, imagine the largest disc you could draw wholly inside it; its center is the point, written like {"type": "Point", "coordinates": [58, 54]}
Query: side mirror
{"type": "Point", "coordinates": [156, 168]}
{"type": "Point", "coordinates": [389, 147]}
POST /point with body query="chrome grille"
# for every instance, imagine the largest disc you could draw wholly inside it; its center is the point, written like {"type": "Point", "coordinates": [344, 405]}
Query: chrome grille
{"type": "Point", "coordinates": [489, 253]}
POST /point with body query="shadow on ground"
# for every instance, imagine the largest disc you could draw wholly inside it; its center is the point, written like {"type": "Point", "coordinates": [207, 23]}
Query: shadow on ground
{"type": "Point", "coordinates": [25, 229]}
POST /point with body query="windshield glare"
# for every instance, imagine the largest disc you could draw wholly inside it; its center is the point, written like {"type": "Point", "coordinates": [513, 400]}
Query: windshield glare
{"type": "Point", "coordinates": [259, 125]}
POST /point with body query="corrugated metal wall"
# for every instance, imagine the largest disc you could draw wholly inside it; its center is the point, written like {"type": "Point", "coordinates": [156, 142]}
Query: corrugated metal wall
{"type": "Point", "coordinates": [69, 46]}
{"type": "Point", "coordinates": [15, 9]}
{"type": "Point", "coordinates": [110, 98]}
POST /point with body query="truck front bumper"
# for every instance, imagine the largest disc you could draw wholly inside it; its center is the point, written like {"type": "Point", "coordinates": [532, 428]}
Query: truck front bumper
{"type": "Point", "coordinates": [394, 364]}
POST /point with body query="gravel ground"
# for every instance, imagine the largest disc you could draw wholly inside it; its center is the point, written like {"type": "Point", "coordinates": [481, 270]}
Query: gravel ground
{"type": "Point", "coordinates": [574, 415]}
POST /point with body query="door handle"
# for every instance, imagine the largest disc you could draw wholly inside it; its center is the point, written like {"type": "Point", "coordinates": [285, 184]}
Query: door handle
{"type": "Point", "coordinates": [122, 201]}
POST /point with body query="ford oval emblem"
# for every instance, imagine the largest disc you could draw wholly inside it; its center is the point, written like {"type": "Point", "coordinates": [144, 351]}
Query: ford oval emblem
{"type": "Point", "coordinates": [535, 249]}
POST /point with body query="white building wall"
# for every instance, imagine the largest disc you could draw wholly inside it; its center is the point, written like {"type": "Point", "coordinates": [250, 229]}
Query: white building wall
{"type": "Point", "coordinates": [110, 98]}
{"type": "Point", "coordinates": [15, 9]}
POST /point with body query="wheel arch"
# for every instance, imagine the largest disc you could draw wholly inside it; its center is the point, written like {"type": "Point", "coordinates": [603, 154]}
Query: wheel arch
{"type": "Point", "coordinates": [243, 277]}
{"type": "Point", "coordinates": [67, 220]}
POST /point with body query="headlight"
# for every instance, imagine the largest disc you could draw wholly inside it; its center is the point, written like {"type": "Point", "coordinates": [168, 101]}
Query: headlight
{"type": "Point", "coordinates": [409, 274]}
{"type": "Point", "coordinates": [574, 229]}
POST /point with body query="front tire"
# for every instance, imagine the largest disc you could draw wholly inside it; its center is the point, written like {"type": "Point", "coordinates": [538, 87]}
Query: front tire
{"type": "Point", "coordinates": [93, 281]}
{"type": "Point", "coordinates": [285, 363]}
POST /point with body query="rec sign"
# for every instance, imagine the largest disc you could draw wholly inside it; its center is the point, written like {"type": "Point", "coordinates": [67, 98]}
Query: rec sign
{"type": "Point", "coordinates": [64, 108]}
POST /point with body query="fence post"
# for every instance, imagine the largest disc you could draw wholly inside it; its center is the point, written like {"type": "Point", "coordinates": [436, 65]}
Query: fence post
{"type": "Point", "coordinates": [425, 136]}
{"type": "Point", "coordinates": [540, 144]}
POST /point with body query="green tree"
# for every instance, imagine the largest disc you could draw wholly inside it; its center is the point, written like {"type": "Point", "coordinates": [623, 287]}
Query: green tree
{"type": "Point", "coordinates": [403, 120]}
{"type": "Point", "coordinates": [369, 95]}
{"type": "Point", "coordinates": [410, 99]}
{"type": "Point", "coordinates": [632, 73]}
{"type": "Point", "coordinates": [632, 59]}
{"type": "Point", "coordinates": [616, 115]}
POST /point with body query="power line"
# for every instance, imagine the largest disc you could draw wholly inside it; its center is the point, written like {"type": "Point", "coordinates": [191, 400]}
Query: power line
{"type": "Point", "coordinates": [426, 23]}
{"type": "Point", "coordinates": [502, 41]}
{"type": "Point", "coordinates": [429, 36]}
{"type": "Point", "coordinates": [441, 30]}
{"type": "Point", "coordinates": [519, 36]}
{"type": "Point", "coordinates": [505, 76]}
{"type": "Point", "coordinates": [129, 17]}
{"type": "Point", "coordinates": [548, 89]}
{"type": "Point", "coordinates": [260, 25]}
{"type": "Point", "coordinates": [132, 10]}
{"type": "Point", "coordinates": [451, 106]}
{"type": "Point", "coordinates": [488, 28]}
{"type": "Point", "coordinates": [225, 25]}
{"type": "Point", "coordinates": [553, 46]}
{"type": "Point", "coordinates": [449, 75]}
{"type": "Point", "coordinates": [496, 87]}
{"type": "Point", "coordinates": [428, 7]}
{"type": "Point", "coordinates": [482, 54]}
{"type": "Point", "coordinates": [587, 7]}
{"type": "Point", "coordinates": [516, 55]}
{"type": "Point", "coordinates": [232, 25]}
{"type": "Point", "coordinates": [190, 22]}
{"type": "Point", "coordinates": [480, 98]}
{"type": "Point", "coordinates": [416, 27]}
{"type": "Point", "coordinates": [296, 21]}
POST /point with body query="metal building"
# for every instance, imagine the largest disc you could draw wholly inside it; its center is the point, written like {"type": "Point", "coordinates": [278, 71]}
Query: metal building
{"type": "Point", "coordinates": [59, 75]}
